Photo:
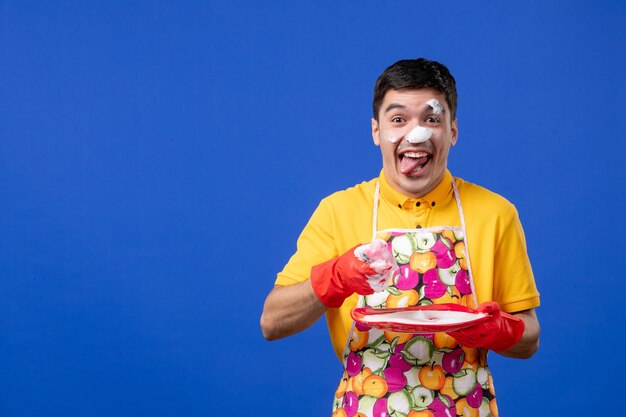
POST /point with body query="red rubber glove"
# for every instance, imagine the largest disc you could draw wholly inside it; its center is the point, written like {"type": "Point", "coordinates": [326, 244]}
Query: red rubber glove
{"type": "Point", "coordinates": [499, 333]}
{"type": "Point", "coordinates": [335, 280]}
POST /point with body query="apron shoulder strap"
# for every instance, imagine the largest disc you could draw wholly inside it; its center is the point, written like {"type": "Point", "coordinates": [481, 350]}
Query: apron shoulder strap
{"type": "Point", "coordinates": [375, 214]}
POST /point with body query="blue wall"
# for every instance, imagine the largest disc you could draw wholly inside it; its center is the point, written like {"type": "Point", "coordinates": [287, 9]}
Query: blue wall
{"type": "Point", "coordinates": [158, 160]}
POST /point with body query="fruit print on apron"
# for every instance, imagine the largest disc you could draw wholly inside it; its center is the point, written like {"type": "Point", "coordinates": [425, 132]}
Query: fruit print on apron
{"type": "Point", "coordinates": [389, 374]}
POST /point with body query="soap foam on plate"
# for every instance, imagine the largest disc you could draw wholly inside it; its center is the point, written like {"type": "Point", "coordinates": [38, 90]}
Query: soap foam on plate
{"type": "Point", "coordinates": [423, 317]}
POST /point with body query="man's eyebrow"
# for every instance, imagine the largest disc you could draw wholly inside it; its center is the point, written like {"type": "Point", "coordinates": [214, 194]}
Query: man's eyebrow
{"type": "Point", "coordinates": [394, 106]}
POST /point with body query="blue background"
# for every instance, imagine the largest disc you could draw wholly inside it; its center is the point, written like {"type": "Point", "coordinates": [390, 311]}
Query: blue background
{"type": "Point", "coordinates": [158, 160]}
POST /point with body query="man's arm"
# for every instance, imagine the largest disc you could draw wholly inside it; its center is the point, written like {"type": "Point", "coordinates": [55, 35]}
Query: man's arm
{"type": "Point", "coordinates": [515, 335]}
{"type": "Point", "coordinates": [528, 344]}
{"type": "Point", "coordinates": [289, 310]}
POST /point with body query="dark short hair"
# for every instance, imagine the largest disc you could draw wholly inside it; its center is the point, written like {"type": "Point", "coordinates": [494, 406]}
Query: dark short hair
{"type": "Point", "coordinates": [414, 74]}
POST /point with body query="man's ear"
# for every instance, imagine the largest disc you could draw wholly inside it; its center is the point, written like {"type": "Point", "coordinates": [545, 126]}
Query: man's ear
{"type": "Point", "coordinates": [375, 132]}
{"type": "Point", "coordinates": [454, 133]}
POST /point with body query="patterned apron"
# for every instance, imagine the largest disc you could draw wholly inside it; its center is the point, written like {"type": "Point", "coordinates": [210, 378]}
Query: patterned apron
{"type": "Point", "coordinates": [388, 374]}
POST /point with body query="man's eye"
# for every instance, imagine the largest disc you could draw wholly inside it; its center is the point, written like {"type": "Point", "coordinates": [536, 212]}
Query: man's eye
{"type": "Point", "coordinates": [397, 119]}
{"type": "Point", "coordinates": [432, 119]}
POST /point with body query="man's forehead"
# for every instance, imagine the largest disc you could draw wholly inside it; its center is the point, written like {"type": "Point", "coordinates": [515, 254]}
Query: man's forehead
{"type": "Point", "coordinates": [414, 98]}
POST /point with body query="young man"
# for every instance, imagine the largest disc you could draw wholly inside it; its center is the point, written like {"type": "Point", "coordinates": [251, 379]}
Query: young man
{"type": "Point", "coordinates": [451, 241]}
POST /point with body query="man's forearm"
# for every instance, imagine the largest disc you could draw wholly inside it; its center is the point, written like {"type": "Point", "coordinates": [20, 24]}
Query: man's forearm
{"type": "Point", "coordinates": [289, 310]}
{"type": "Point", "coordinates": [529, 342]}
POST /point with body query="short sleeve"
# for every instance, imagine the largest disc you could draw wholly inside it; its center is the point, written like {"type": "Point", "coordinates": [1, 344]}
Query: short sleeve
{"type": "Point", "coordinates": [514, 283]}
{"type": "Point", "coordinates": [315, 245]}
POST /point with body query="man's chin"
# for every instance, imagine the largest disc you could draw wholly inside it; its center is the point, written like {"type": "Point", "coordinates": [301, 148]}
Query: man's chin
{"type": "Point", "coordinates": [414, 186]}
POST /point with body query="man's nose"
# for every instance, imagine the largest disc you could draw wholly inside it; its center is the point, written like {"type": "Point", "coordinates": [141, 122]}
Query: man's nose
{"type": "Point", "coordinates": [419, 134]}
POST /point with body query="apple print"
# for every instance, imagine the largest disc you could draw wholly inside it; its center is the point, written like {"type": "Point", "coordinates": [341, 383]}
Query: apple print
{"type": "Point", "coordinates": [397, 360]}
{"type": "Point", "coordinates": [402, 248]}
{"type": "Point", "coordinates": [442, 245]}
{"type": "Point", "coordinates": [482, 376]}
{"type": "Point", "coordinates": [412, 378]}
{"type": "Point", "coordinates": [485, 410]}
{"type": "Point", "coordinates": [452, 361]}
{"type": "Point", "coordinates": [377, 299]}
{"type": "Point", "coordinates": [351, 403]}
{"type": "Point", "coordinates": [433, 287]}
{"type": "Point", "coordinates": [353, 364]}
{"type": "Point", "coordinates": [418, 350]}
{"type": "Point", "coordinates": [366, 404]}
{"type": "Point", "coordinates": [395, 379]}
{"type": "Point", "coordinates": [422, 397]}
{"type": "Point", "coordinates": [375, 359]}
{"type": "Point", "coordinates": [462, 282]}
{"type": "Point", "coordinates": [448, 275]}
{"type": "Point", "coordinates": [400, 364]}
{"type": "Point", "coordinates": [475, 397]}
{"type": "Point", "coordinates": [444, 252]}
{"type": "Point", "coordinates": [425, 241]}
{"type": "Point", "coordinates": [464, 382]}
{"type": "Point", "coordinates": [405, 278]}
{"type": "Point", "coordinates": [380, 408]}
{"type": "Point", "coordinates": [443, 406]}
{"type": "Point", "coordinates": [400, 402]}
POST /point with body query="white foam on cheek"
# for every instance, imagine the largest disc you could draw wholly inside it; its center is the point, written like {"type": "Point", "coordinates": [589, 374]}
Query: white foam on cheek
{"type": "Point", "coordinates": [435, 105]}
{"type": "Point", "coordinates": [392, 139]}
{"type": "Point", "coordinates": [419, 134]}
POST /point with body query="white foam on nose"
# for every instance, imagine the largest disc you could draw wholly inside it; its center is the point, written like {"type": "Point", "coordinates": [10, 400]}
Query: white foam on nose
{"type": "Point", "coordinates": [419, 134]}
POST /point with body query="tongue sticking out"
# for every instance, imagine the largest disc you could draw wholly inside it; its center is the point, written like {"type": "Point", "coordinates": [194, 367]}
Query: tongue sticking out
{"type": "Point", "coordinates": [408, 164]}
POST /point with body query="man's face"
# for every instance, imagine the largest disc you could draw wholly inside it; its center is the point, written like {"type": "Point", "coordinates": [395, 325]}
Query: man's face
{"type": "Point", "coordinates": [414, 133]}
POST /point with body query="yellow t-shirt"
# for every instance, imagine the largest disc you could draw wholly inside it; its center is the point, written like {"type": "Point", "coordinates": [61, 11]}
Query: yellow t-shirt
{"type": "Point", "coordinates": [494, 236]}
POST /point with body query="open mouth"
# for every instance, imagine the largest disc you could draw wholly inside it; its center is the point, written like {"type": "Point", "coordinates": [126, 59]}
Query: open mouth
{"type": "Point", "coordinates": [413, 162]}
